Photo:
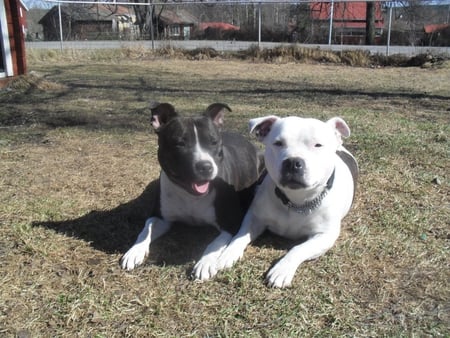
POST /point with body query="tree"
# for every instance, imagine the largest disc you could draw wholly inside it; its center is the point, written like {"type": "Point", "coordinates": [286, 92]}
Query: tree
{"type": "Point", "coordinates": [147, 16]}
{"type": "Point", "coordinates": [143, 17]}
{"type": "Point", "coordinates": [370, 23]}
{"type": "Point", "coordinates": [411, 16]}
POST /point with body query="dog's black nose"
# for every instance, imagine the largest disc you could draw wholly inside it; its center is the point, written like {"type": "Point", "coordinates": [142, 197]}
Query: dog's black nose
{"type": "Point", "coordinates": [294, 165]}
{"type": "Point", "coordinates": [204, 167]}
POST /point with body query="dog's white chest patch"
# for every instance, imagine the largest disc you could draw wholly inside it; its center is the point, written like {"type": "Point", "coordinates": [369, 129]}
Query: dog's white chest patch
{"type": "Point", "coordinates": [178, 205]}
{"type": "Point", "coordinates": [279, 219]}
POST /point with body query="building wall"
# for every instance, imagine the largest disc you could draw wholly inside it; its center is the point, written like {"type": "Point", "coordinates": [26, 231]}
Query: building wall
{"type": "Point", "coordinates": [12, 26]}
{"type": "Point", "coordinates": [91, 30]}
{"type": "Point", "coordinates": [77, 25]}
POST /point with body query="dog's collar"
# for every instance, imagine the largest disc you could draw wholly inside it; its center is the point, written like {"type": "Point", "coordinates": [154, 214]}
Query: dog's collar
{"type": "Point", "coordinates": [307, 207]}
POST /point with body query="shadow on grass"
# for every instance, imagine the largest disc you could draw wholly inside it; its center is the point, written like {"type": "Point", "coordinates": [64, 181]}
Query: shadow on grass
{"type": "Point", "coordinates": [61, 108]}
{"type": "Point", "coordinates": [114, 231]}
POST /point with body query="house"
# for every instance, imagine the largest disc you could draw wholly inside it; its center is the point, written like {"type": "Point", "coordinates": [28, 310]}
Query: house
{"type": "Point", "coordinates": [223, 26]}
{"type": "Point", "coordinates": [12, 39]}
{"type": "Point", "coordinates": [216, 30]}
{"type": "Point", "coordinates": [435, 28]}
{"type": "Point", "coordinates": [349, 20]}
{"type": "Point", "coordinates": [421, 24]}
{"type": "Point", "coordinates": [437, 34]}
{"type": "Point", "coordinates": [178, 25]}
{"type": "Point", "coordinates": [88, 22]}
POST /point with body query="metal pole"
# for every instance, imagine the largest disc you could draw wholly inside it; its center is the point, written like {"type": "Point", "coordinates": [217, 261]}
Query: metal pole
{"type": "Point", "coordinates": [259, 25]}
{"type": "Point", "coordinates": [389, 31]}
{"type": "Point", "coordinates": [151, 28]}
{"type": "Point", "coordinates": [331, 22]}
{"type": "Point", "coordinates": [60, 27]}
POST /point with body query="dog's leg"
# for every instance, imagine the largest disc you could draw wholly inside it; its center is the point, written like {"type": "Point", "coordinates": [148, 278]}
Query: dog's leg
{"type": "Point", "coordinates": [206, 266]}
{"type": "Point", "coordinates": [282, 273]}
{"type": "Point", "coordinates": [249, 231]}
{"type": "Point", "coordinates": [154, 228]}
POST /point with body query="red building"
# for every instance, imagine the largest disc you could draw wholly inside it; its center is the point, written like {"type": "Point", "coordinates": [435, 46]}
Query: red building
{"type": "Point", "coordinates": [349, 19]}
{"type": "Point", "coordinates": [12, 39]}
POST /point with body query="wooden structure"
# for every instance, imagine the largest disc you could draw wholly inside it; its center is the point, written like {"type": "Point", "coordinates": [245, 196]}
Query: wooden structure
{"type": "Point", "coordinates": [177, 25]}
{"type": "Point", "coordinates": [88, 22]}
{"type": "Point", "coordinates": [12, 39]}
{"type": "Point", "coordinates": [349, 20]}
{"type": "Point", "coordinates": [437, 34]}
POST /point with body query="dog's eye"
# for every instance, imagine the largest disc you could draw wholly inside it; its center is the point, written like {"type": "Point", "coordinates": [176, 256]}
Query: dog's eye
{"type": "Point", "coordinates": [318, 145]}
{"type": "Point", "coordinates": [278, 143]}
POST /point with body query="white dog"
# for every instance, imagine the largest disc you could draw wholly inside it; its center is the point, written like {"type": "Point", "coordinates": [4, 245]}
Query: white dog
{"type": "Point", "coordinates": [308, 190]}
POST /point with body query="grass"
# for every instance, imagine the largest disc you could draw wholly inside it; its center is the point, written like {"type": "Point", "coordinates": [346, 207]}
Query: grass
{"type": "Point", "coordinates": [77, 156]}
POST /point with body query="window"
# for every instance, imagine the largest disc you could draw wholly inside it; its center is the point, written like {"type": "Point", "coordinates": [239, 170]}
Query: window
{"type": "Point", "coordinates": [174, 30]}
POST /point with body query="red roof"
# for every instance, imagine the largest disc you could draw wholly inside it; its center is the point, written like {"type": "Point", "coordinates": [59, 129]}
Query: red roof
{"type": "Point", "coordinates": [223, 26]}
{"type": "Point", "coordinates": [436, 27]}
{"type": "Point", "coordinates": [346, 14]}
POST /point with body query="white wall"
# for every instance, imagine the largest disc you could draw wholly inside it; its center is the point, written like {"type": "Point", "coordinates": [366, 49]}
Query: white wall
{"type": "Point", "coordinates": [5, 51]}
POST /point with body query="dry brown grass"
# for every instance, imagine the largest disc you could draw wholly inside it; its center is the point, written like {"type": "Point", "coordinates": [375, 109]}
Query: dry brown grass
{"type": "Point", "coordinates": [280, 54]}
{"type": "Point", "coordinates": [33, 81]}
{"type": "Point", "coordinates": [76, 160]}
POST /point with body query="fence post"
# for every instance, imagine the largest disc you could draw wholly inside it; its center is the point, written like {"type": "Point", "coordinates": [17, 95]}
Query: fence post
{"type": "Point", "coordinates": [331, 22]}
{"type": "Point", "coordinates": [388, 43]}
{"type": "Point", "coordinates": [259, 25]}
{"type": "Point", "coordinates": [60, 27]}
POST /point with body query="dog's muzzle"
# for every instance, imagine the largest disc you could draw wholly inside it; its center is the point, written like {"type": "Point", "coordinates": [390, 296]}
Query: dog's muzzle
{"type": "Point", "coordinates": [292, 173]}
{"type": "Point", "coordinates": [204, 169]}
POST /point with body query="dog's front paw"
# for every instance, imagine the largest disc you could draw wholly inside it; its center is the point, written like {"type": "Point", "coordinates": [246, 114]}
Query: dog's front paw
{"type": "Point", "coordinates": [206, 268]}
{"type": "Point", "coordinates": [281, 275]}
{"type": "Point", "coordinates": [134, 257]}
{"type": "Point", "coordinates": [228, 259]}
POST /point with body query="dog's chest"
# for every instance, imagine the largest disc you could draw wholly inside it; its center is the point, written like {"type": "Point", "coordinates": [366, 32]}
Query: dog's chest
{"type": "Point", "coordinates": [281, 220]}
{"type": "Point", "coordinates": [289, 224]}
{"type": "Point", "coordinates": [179, 205]}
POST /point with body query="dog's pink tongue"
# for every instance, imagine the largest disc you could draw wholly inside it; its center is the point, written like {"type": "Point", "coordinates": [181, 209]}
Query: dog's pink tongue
{"type": "Point", "coordinates": [201, 188]}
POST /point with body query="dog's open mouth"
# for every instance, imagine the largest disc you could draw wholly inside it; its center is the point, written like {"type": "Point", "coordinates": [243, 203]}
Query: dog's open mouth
{"type": "Point", "coordinates": [200, 188]}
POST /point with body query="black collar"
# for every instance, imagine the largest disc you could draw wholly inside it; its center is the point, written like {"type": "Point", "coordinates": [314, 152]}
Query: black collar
{"type": "Point", "coordinates": [307, 207]}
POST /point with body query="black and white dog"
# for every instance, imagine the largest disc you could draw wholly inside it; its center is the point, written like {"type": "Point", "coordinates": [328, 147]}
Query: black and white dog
{"type": "Point", "coordinates": [205, 176]}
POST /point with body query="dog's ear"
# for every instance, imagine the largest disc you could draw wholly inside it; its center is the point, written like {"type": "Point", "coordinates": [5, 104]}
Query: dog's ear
{"type": "Point", "coordinates": [341, 128]}
{"type": "Point", "coordinates": [161, 114]}
{"type": "Point", "coordinates": [261, 126]}
{"type": "Point", "coordinates": [216, 112]}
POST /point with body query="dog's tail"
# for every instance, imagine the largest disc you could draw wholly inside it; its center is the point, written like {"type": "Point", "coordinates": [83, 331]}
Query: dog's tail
{"type": "Point", "coordinates": [351, 163]}
{"type": "Point", "coordinates": [261, 165]}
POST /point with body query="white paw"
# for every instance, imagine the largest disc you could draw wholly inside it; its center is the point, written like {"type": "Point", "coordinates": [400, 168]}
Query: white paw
{"type": "Point", "coordinates": [206, 268]}
{"type": "Point", "coordinates": [228, 258]}
{"type": "Point", "coordinates": [281, 275]}
{"type": "Point", "coordinates": [134, 257]}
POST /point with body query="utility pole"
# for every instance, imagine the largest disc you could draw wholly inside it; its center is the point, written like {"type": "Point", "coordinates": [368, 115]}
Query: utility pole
{"type": "Point", "coordinates": [370, 23]}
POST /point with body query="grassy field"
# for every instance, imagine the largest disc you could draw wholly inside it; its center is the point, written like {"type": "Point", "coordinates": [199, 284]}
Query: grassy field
{"type": "Point", "coordinates": [77, 158]}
